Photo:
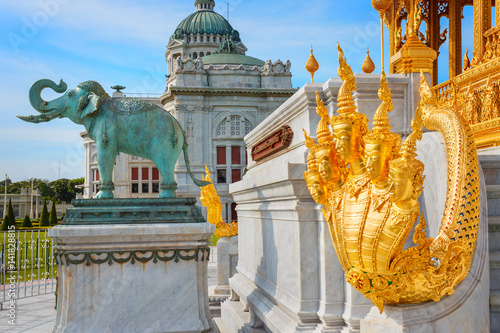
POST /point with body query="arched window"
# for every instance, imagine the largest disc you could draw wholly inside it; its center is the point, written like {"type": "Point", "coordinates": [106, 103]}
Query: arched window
{"type": "Point", "coordinates": [234, 126]}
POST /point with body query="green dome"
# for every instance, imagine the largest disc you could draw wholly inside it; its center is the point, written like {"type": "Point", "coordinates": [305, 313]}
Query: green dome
{"type": "Point", "coordinates": [205, 22]}
{"type": "Point", "coordinates": [231, 59]}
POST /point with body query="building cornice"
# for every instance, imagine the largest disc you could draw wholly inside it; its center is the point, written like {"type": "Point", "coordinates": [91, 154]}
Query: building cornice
{"type": "Point", "coordinates": [170, 94]}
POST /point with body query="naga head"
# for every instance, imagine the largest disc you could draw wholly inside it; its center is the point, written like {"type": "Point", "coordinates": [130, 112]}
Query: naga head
{"type": "Point", "coordinates": [381, 145]}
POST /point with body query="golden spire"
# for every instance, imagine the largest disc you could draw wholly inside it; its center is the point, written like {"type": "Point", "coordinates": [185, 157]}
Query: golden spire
{"type": "Point", "coordinates": [409, 150]}
{"type": "Point", "coordinates": [312, 65]}
{"type": "Point", "coordinates": [311, 161]}
{"type": "Point", "coordinates": [323, 131]}
{"type": "Point", "coordinates": [381, 118]}
{"type": "Point", "coordinates": [368, 65]}
{"type": "Point", "coordinates": [345, 102]}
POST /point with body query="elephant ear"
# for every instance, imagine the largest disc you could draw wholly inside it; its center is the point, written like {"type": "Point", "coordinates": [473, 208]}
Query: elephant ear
{"type": "Point", "coordinates": [93, 104]}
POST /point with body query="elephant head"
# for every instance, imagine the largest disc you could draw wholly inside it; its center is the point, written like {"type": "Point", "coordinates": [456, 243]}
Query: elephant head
{"type": "Point", "coordinates": [75, 104]}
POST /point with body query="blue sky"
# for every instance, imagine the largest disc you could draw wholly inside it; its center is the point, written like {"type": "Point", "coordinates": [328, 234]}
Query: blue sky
{"type": "Point", "coordinates": [123, 42]}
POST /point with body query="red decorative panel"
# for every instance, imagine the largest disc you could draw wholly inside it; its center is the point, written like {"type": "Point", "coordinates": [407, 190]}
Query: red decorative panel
{"type": "Point", "coordinates": [145, 173]}
{"type": "Point", "coordinates": [275, 142]}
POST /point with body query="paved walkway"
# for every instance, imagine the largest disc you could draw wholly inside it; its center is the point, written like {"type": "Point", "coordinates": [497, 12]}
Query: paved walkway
{"type": "Point", "coordinates": [37, 314]}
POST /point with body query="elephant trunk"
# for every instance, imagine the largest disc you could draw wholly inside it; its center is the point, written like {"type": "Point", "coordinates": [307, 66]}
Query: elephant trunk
{"type": "Point", "coordinates": [36, 90]}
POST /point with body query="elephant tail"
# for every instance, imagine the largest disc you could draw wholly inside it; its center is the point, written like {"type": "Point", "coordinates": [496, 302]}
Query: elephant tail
{"type": "Point", "coordinates": [198, 182]}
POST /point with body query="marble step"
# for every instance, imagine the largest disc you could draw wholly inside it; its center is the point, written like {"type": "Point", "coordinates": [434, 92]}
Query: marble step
{"type": "Point", "coordinates": [493, 194]}
{"type": "Point", "coordinates": [495, 310]}
{"type": "Point", "coordinates": [495, 272]}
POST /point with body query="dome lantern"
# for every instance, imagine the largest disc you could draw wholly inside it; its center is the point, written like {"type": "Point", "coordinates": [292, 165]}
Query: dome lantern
{"type": "Point", "coordinates": [204, 5]}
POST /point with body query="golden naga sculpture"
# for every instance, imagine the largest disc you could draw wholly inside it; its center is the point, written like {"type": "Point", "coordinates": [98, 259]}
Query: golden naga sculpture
{"type": "Point", "coordinates": [210, 199]}
{"type": "Point", "coordinates": [369, 184]}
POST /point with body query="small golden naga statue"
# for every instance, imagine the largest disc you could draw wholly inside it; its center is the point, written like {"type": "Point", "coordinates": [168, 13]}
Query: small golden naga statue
{"type": "Point", "coordinates": [369, 183]}
{"type": "Point", "coordinates": [210, 199]}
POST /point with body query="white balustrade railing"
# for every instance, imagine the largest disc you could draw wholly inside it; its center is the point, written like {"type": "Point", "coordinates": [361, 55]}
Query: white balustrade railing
{"type": "Point", "coordinates": [27, 265]}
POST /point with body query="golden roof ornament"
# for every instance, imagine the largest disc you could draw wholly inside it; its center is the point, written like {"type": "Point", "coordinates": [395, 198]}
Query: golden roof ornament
{"type": "Point", "coordinates": [368, 66]}
{"type": "Point", "coordinates": [312, 65]}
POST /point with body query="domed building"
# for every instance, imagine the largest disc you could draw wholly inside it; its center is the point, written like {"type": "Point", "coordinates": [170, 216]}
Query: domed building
{"type": "Point", "coordinates": [219, 94]}
{"type": "Point", "coordinates": [200, 34]}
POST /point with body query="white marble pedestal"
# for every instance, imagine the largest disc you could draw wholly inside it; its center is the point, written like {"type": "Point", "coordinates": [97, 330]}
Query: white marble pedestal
{"type": "Point", "coordinates": [227, 258]}
{"type": "Point", "coordinates": [142, 277]}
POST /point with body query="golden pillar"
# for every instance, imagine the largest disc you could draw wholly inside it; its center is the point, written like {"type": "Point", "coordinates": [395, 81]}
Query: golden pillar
{"type": "Point", "coordinates": [455, 40]}
{"type": "Point", "coordinates": [497, 12]}
{"type": "Point", "coordinates": [434, 29]}
{"type": "Point", "coordinates": [482, 23]}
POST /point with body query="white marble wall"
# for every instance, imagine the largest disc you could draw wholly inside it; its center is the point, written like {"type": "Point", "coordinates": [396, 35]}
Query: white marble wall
{"type": "Point", "coordinates": [289, 278]}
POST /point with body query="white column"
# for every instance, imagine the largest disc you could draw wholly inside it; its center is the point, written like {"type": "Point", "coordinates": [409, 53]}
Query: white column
{"type": "Point", "coordinates": [31, 201]}
{"type": "Point", "coordinates": [228, 164]}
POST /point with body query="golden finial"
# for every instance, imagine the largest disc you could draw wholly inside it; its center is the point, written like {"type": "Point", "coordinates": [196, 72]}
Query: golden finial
{"type": "Point", "coordinates": [381, 6]}
{"type": "Point", "coordinates": [368, 65]}
{"type": "Point", "coordinates": [466, 60]}
{"type": "Point", "coordinates": [312, 65]}
{"type": "Point", "coordinates": [323, 130]}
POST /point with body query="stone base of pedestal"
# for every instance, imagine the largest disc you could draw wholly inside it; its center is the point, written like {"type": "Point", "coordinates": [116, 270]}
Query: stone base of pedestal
{"type": "Point", "coordinates": [227, 259]}
{"type": "Point", "coordinates": [142, 276]}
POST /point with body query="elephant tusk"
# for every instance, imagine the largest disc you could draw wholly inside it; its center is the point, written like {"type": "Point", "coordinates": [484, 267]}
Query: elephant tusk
{"type": "Point", "coordinates": [40, 118]}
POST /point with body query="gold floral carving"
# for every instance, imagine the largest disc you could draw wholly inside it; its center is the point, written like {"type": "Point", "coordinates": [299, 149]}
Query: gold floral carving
{"type": "Point", "coordinates": [369, 191]}
{"type": "Point", "coordinates": [210, 199]}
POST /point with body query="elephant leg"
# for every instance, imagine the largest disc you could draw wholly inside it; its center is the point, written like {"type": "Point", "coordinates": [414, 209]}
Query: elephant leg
{"type": "Point", "coordinates": [168, 184]}
{"type": "Point", "coordinates": [106, 161]}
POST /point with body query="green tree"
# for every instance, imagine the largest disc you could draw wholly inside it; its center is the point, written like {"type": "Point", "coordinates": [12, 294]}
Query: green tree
{"type": "Point", "coordinates": [44, 218]}
{"type": "Point", "coordinates": [5, 224]}
{"type": "Point", "coordinates": [53, 214]}
{"type": "Point", "coordinates": [10, 214]}
{"type": "Point", "coordinates": [26, 222]}
{"type": "Point", "coordinates": [45, 190]}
